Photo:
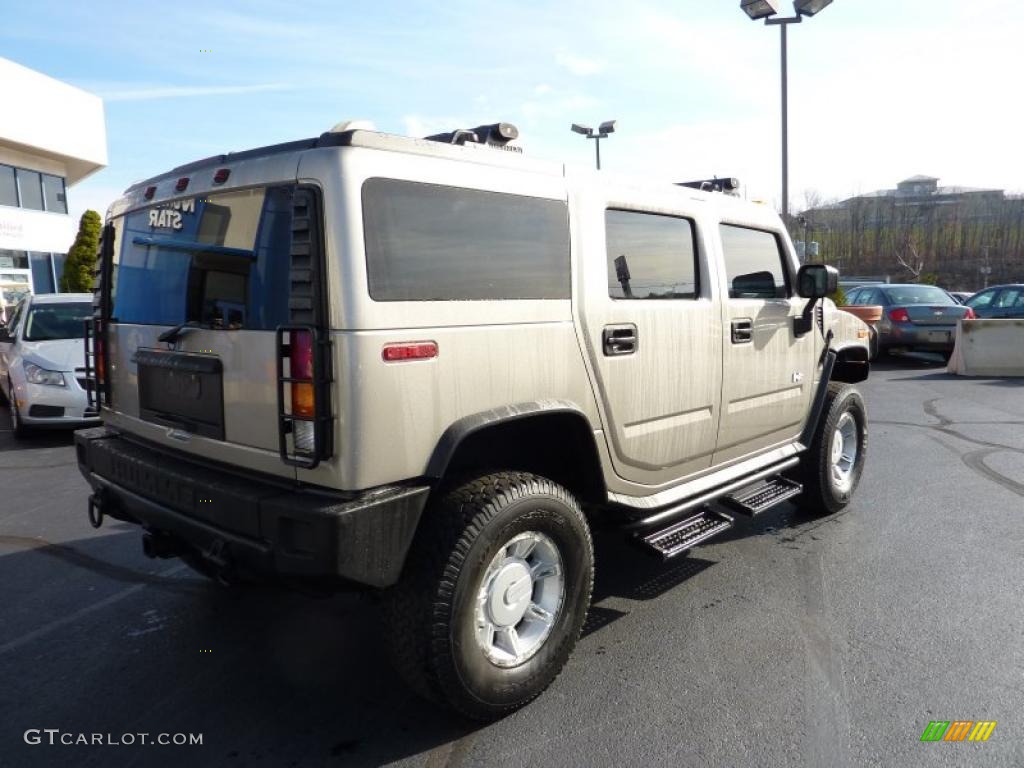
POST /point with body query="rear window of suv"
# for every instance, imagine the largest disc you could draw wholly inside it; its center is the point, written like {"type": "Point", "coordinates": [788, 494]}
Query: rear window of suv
{"type": "Point", "coordinates": [219, 262]}
{"type": "Point", "coordinates": [426, 242]}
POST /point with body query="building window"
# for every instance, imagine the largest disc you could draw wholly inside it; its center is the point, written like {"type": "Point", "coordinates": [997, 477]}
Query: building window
{"type": "Point", "coordinates": [13, 259]}
{"type": "Point", "coordinates": [53, 194]}
{"type": "Point", "coordinates": [8, 187]}
{"type": "Point", "coordinates": [30, 189]}
{"type": "Point", "coordinates": [42, 272]}
{"type": "Point", "coordinates": [58, 267]}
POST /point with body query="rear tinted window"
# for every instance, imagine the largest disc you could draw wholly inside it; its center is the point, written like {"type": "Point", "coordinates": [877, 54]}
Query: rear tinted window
{"type": "Point", "coordinates": [220, 262]}
{"type": "Point", "coordinates": [753, 263]}
{"type": "Point", "coordinates": [426, 242]}
{"type": "Point", "coordinates": [917, 294]}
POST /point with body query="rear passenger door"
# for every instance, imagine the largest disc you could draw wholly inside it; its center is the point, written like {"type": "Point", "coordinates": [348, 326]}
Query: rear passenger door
{"type": "Point", "coordinates": [768, 372]}
{"type": "Point", "coordinates": [652, 325]}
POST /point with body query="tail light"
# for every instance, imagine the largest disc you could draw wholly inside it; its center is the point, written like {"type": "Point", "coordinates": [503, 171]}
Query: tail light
{"type": "Point", "coordinates": [970, 314]}
{"type": "Point", "coordinates": [101, 360]}
{"type": "Point", "coordinates": [899, 315]}
{"type": "Point", "coordinates": [303, 395]}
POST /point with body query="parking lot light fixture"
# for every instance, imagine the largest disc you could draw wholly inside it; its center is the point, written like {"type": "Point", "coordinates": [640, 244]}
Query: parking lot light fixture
{"type": "Point", "coordinates": [767, 9]}
{"type": "Point", "coordinates": [810, 7]}
{"type": "Point", "coordinates": [603, 131]}
{"type": "Point", "coordinates": [760, 9]}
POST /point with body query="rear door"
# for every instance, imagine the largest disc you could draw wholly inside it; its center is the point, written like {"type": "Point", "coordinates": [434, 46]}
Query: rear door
{"type": "Point", "coordinates": [652, 326]}
{"type": "Point", "coordinates": [215, 267]}
{"type": "Point", "coordinates": [768, 371]}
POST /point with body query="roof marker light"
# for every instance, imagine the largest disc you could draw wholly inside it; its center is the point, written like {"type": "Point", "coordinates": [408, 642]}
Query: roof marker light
{"type": "Point", "coordinates": [148, 194]}
{"type": "Point", "coordinates": [182, 184]}
{"type": "Point", "coordinates": [221, 175]}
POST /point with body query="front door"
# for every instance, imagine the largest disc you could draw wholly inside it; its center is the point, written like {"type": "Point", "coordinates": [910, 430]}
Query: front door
{"type": "Point", "coordinates": [652, 326]}
{"type": "Point", "coordinates": [768, 372]}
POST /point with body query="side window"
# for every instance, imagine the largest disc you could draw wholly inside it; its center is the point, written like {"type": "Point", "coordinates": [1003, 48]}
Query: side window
{"type": "Point", "coordinates": [981, 300]}
{"type": "Point", "coordinates": [754, 263]}
{"type": "Point", "coordinates": [650, 256]}
{"type": "Point", "coordinates": [426, 242]}
{"type": "Point", "coordinates": [853, 297]}
{"type": "Point", "coordinates": [1008, 297]}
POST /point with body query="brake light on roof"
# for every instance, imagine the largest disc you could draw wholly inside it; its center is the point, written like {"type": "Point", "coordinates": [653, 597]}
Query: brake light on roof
{"type": "Point", "coordinates": [899, 315]}
{"type": "Point", "coordinates": [416, 350]}
{"type": "Point", "coordinates": [148, 194]}
{"type": "Point", "coordinates": [182, 184]}
{"type": "Point", "coordinates": [221, 175]}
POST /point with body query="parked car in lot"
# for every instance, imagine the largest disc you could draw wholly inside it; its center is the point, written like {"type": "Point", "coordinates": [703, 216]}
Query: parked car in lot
{"type": "Point", "coordinates": [960, 297]}
{"type": "Point", "coordinates": [41, 363]}
{"type": "Point", "coordinates": [914, 317]}
{"type": "Point", "coordinates": [999, 301]}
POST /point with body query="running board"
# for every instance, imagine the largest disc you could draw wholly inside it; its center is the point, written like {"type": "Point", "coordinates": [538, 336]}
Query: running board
{"type": "Point", "coordinates": [762, 495]}
{"type": "Point", "coordinates": [682, 536]}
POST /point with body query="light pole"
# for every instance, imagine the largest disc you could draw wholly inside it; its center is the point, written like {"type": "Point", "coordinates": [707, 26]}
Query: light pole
{"type": "Point", "coordinates": [607, 127]}
{"type": "Point", "coordinates": [767, 9]}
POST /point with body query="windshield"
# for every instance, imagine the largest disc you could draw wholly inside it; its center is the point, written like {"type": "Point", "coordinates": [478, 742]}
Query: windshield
{"type": "Point", "coordinates": [917, 294]}
{"type": "Point", "coordinates": [47, 322]}
{"type": "Point", "coordinates": [220, 262]}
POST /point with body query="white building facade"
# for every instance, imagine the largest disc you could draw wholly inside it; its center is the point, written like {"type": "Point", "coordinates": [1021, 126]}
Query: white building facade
{"type": "Point", "coordinates": [52, 135]}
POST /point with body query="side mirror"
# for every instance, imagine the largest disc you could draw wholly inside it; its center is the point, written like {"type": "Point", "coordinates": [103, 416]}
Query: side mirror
{"type": "Point", "coordinates": [816, 281]}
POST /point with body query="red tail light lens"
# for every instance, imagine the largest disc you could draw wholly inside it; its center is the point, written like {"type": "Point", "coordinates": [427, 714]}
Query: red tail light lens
{"type": "Point", "coordinates": [221, 175]}
{"type": "Point", "coordinates": [899, 315]}
{"type": "Point", "coordinates": [148, 194]}
{"type": "Point", "coordinates": [182, 184]}
{"type": "Point", "coordinates": [970, 315]}
{"type": "Point", "coordinates": [303, 401]}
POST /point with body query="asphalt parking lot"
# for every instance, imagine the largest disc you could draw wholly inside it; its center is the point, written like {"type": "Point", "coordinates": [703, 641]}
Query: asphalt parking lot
{"type": "Point", "coordinates": [790, 641]}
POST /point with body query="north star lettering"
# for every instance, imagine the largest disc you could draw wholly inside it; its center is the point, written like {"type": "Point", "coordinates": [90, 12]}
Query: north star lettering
{"type": "Point", "coordinates": [169, 217]}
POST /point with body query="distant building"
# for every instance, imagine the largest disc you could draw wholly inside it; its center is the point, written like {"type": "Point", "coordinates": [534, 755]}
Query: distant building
{"type": "Point", "coordinates": [52, 135]}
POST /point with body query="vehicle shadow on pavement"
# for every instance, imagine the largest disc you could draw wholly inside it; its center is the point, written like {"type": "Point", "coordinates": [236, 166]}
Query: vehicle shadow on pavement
{"type": "Point", "coordinates": [39, 439]}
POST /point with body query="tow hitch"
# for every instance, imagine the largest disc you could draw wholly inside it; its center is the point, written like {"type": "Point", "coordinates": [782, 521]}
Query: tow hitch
{"type": "Point", "coordinates": [96, 502]}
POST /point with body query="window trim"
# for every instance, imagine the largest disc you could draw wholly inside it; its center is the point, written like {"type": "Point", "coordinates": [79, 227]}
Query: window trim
{"type": "Point", "coordinates": [698, 284]}
{"type": "Point", "coordinates": [785, 260]}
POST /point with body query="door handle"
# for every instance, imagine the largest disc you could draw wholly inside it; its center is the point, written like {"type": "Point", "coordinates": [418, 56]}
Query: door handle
{"type": "Point", "coordinates": [620, 340]}
{"type": "Point", "coordinates": [742, 331]}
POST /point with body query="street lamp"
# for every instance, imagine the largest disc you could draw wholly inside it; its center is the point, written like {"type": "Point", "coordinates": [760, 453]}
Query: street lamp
{"type": "Point", "coordinates": [605, 128]}
{"type": "Point", "coordinates": [767, 9]}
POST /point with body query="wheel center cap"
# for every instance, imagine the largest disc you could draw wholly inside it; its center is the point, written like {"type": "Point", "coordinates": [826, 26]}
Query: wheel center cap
{"type": "Point", "coordinates": [510, 593]}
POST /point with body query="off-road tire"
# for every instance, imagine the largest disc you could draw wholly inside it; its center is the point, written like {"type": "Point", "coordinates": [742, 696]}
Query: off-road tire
{"type": "Point", "coordinates": [821, 496]}
{"type": "Point", "coordinates": [429, 615]}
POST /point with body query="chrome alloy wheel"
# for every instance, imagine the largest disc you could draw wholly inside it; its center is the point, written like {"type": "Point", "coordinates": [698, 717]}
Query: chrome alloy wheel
{"type": "Point", "coordinates": [843, 455]}
{"type": "Point", "coordinates": [520, 599]}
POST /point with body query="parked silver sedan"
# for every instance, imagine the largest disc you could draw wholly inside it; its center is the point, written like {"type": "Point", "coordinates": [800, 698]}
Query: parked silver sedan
{"type": "Point", "coordinates": [914, 317]}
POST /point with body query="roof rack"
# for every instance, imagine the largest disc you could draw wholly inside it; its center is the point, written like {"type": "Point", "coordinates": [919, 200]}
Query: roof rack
{"type": "Point", "coordinates": [728, 186]}
{"type": "Point", "coordinates": [494, 135]}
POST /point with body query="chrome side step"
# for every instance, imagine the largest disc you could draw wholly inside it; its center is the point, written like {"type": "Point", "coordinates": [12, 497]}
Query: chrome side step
{"type": "Point", "coordinates": [762, 495]}
{"type": "Point", "coordinates": [682, 536]}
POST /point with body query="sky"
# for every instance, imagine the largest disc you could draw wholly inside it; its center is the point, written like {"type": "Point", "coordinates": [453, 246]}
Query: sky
{"type": "Point", "coordinates": [880, 90]}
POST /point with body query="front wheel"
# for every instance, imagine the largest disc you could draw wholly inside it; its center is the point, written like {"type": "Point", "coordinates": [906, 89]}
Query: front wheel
{"type": "Point", "coordinates": [494, 594]}
{"type": "Point", "coordinates": [831, 468]}
{"type": "Point", "coordinates": [18, 428]}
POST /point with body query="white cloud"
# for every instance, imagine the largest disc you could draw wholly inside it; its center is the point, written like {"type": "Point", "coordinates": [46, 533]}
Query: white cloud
{"type": "Point", "coordinates": [173, 91]}
{"type": "Point", "coordinates": [579, 65]}
{"type": "Point", "coordinates": [420, 125]}
{"type": "Point", "coordinates": [542, 89]}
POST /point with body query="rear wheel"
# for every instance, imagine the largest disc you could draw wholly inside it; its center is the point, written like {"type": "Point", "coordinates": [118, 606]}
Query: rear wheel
{"type": "Point", "coordinates": [831, 468]}
{"type": "Point", "coordinates": [494, 594]}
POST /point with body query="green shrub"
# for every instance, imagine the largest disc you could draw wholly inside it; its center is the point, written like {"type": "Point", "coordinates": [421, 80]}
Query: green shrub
{"type": "Point", "coordinates": [81, 261]}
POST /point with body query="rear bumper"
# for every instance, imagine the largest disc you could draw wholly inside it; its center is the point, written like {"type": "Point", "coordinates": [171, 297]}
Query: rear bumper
{"type": "Point", "coordinates": [250, 524]}
{"type": "Point", "coordinates": [939, 338]}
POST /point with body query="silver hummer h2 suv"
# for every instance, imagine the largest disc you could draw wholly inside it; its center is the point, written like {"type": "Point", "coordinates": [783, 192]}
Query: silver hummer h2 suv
{"type": "Point", "coordinates": [428, 367]}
